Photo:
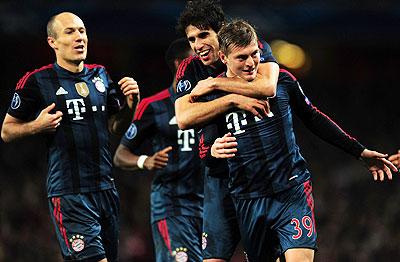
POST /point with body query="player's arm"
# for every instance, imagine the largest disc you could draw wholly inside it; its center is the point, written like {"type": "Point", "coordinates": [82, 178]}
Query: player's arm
{"type": "Point", "coordinates": [262, 87]}
{"type": "Point", "coordinates": [26, 115]}
{"type": "Point", "coordinates": [322, 126]}
{"type": "Point", "coordinates": [189, 115]}
{"type": "Point", "coordinates": [124, 101]}
{"type": "Point", "coordinates": [14, 128]}
{"type": "Point", "coordinates": [127, 160]}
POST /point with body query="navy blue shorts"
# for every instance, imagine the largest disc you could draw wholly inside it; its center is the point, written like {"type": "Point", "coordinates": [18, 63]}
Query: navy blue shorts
{"type": "Point", "coordinates": [177, 238]}
{"type": "Point", "coordinates": [87, 225]}
{"type": "Point", "coordinates": [272, 225]}
{"type": "Point", "coordinates": [220, 227]}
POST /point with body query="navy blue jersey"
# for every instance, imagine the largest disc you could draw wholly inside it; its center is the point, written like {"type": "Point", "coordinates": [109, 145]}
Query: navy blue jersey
{"type": "Point", "coordinates": [79, 158]}
{"type": "Point", "coordinates": [177, 189]}
{"type": "Point", "coordinates": [189, 73]}
{"type": "Point", "coordinates": [268, 159]}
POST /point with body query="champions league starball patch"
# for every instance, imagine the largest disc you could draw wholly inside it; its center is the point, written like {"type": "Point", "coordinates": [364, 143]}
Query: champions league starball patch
{"type": "Point", "coordinates": [16, 101]}
{"type": "Point", "coordinates": [131, 132]}
{"type": "Point", "coordinates": [183, 86]}
{"type": "Point", "coordinates": [99, 84]}
{"type": "Point", "coordinates": [180, 254]}
{"type": "Point", "coordinates": [204, 240]}
{"type": "Point", "coordinates": [77, 243]}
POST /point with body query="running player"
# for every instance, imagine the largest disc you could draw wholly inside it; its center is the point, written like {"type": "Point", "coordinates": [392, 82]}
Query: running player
{"type": "Point", "coordinates": [69, 102]}
{"type": "Point", "coordinates": [269, 180]}
{"type": "Point", "coordinates": [177, 188]}
{"type": "Point", "coordinates": [200, 21]}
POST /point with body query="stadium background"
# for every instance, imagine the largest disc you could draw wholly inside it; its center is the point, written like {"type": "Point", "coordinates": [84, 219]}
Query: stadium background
{"type": "Point", "coordinates": [352, 52]}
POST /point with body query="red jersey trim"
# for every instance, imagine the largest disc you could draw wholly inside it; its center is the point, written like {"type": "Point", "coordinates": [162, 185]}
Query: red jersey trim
{"type": "Point", "coordinates": [147, 101]}
{"type": "Point", "coordinates": [183, 65]}
{"type": "Point", "coordinates": [22, 81]}
{"type": "Point", "coordinates": [287, 72]}
{"type": "Point", "coordinates": [91, 66]}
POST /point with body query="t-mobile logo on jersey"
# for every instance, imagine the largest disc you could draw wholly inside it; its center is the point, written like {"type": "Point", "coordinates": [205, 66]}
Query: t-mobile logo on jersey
{"type": "Point", "coordinates": [77, 106]}
{"type": "Point", "coordinates": [235, 121]}
{"type": "Point", "coordinates": [186, 139]}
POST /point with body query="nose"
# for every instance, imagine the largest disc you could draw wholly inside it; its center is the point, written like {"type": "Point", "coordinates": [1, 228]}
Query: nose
{"type": "Point", "coordinates": [250, 61]}
{"type": "Point", "coordinates": [198, 44]}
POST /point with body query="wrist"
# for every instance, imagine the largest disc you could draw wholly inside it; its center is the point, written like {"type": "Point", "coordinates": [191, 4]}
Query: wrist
{"type": "Point", "coordinates": [140, 161]}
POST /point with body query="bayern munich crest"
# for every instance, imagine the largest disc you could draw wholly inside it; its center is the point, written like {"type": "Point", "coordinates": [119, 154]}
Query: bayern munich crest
{"type": "Point", "coordinates": [99, 84]}
{"type": "Point", "coordinates": [180, 254]}
{"type": "Point", "coordinates": [77, 243]}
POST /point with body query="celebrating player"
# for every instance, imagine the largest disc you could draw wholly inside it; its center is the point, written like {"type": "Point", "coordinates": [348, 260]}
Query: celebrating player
{"type": "Point", "coordinates": [69, 102]}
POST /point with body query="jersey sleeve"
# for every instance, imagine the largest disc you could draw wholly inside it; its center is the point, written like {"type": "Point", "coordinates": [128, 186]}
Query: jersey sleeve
{"type": "Point", "coordinates": [142, 127]}
{"type": "Point", "coordinates": [319, 123]}
{"type": "Point", "coordinates": [27, 100]}
{"type": "Point", "coordinates": [216, 167]}
{"type": "Point", "coordinates": [115, 98]}
{"type": "Point", "coordinates": [186, 77]}
{"type": "Point", "coordinates": [266, 52]}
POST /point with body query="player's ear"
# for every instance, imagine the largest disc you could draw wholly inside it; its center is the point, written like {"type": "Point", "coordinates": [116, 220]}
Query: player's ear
{"type": "Point", "coordinates": [51, 41]}
{"type": "Point", "coordinates": [223, 57]}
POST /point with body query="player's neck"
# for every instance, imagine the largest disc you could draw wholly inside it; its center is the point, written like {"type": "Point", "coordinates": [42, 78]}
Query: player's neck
{"type": "Point", "coordinates": [70, 66]}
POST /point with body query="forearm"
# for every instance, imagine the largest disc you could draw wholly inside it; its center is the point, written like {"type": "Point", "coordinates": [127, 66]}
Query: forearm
{"type": "Point", "coordinates": [13, 129]}
{"type": "Point", "coordinates": [189, 115]}
{"type": "Point", "coordinates": [329, 131]}
{"type": "Point", "coordinates": [119, 123]}
{"type": "Point", "coordinates": [263, 86]}
{"type": "Point", "coordinates": [125, 160]}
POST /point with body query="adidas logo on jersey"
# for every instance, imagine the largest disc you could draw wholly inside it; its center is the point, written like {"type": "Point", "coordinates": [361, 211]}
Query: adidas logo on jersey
{"type": "Point", "coordinates": [61, 91]}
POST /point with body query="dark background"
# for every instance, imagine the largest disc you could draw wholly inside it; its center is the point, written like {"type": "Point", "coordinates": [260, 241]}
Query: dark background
{"type": "Point", "coordinates": [354, 49]}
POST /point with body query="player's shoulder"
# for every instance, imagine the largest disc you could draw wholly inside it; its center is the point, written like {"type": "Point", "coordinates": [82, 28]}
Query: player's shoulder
{"type": "Point", "coordinates": [148, 101]}
{"type": "Point", "coordinates": [95, 67]}
{"type": "Point", "coordinates": [30, 75]}
{"type": "Point", "coordinates": [286, 75]}
{"type": "Point", "coordinates": [188, 63]}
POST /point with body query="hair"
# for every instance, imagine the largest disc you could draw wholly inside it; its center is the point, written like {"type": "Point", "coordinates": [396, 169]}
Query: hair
{"type": "Point", "coordinates": [50, 27]}
{"type": "Point", "coordinates": [237, 33]}
{"type": "Point", "coordinates": [203, 14]}
{"type": "Point", "coordinates": [178, 49]}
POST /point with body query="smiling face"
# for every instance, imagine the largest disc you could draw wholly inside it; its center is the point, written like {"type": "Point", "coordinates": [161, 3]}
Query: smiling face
{"type": "Point", "coordinates": [242, 61]}
{"type": "Point", "coordinates": [204, 43]}
{"type": "Point", "coordinates": [69, 41]}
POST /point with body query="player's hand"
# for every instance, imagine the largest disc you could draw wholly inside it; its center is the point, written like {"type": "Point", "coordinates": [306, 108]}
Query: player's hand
{"type": "Point", "coordinates": [257, 107]}
{"type": "Point", "coordinates": [158, 160]}
{"type": "Point", "coordinates": [129, 88]}
{"type": "Point", "coordinates": [377, 164]}
{"type": "Point", "coordinates": [47, 122]}
{"type": "Point", "coordinates": [224, 147]}
{"type": "Point", "coordinates": [203, 87]}
{"type": "Point", "coordinates": [395, 159]}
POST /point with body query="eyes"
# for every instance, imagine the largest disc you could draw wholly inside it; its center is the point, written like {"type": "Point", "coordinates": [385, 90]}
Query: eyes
{"type": "Point", "coordinates": [201, 35]}
{"type": "Point", "coordinates": [71, 30]}
{"type": "Point", "coordinates": [244, 57]}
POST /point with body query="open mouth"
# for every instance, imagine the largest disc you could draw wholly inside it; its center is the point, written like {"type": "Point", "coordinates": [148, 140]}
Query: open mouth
{"type": "Point", "coordinates": [80, 48]}
{"type": "Point", "coordinates": [204, 54]}
{"type": "Point", "coordinates": [249, 71]}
